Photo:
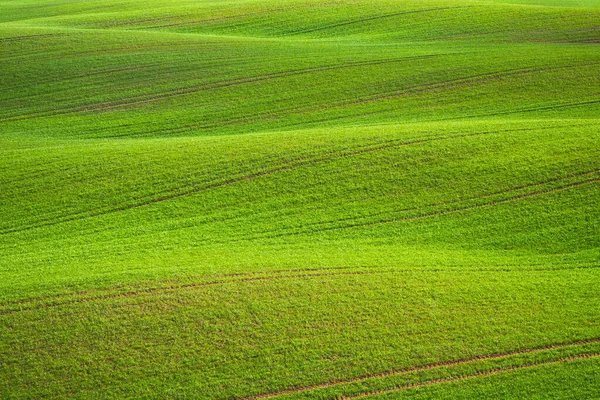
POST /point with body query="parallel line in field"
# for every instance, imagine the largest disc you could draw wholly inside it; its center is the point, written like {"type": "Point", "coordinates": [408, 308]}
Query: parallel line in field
{"type": "Point", "coordinates": [348, 116]}
{"type": "Point", "coordinates": [62, 79]}
{"type": "Point", "coordinates": [141, 288]}
{"type": "Point", "coordinates": [481, 374]}
{"type": "Point", "coordinates": [29, 37]}
{"type": "Point", "coordinates": [280, 167]}
{"type": "Point", "coordinates": [138, 99]}
{"type": "Point", "coordinates": [251, 79]}
{"type": "Point", "coordinates": [285, 166]}
{"type": "Point", "coordinates": [215, 19]}
{"type": "Point", "coordinates": [47, 55]}
{"type": "Point", "coordinates": [455, 83]}
{"type": "Point", "coordinates": [248, 14]}
{"type": "Point", "coordinates": [147, 98]}
{"type": "Point", "coordinates": [417, 217]}
{"type": "Point", "coordinates": [295, 110]}
{"type": "Point", "coordinates": [183, 191]}
{"type": "Point", "coordinates": [452, 83]}
{"type": "Point", "coordinates": [515, 111]}
{"type": "Point", "coordinates": [9, 306]}
{"type": "Point", "coordinates": [127, 24]}
{"type": "Point", "coordinates": [234, 16]}
{"type": "Point", "coordinates": [422, 368]}
{"type": "Point", "coordinates": [442, 204]}
{"type": "Point", "coordinates": [132, 293]}
{"type": "Point", "coordinates": [112, 82]}
{"type": "Point", "coordinates": [474, 207]}
{"type": "Point", "coordinates": [116, 24]}
{"type": "Point", "coordinates": [374, 98]}
{"type": "Point", "coordinates": [540, 108]}
{"type": "Point", "coordinates": [319, 225]}
{"type": "Point", "coordinates": [307, 109]}
{"type": "Point", "coordinates": [372, 18]}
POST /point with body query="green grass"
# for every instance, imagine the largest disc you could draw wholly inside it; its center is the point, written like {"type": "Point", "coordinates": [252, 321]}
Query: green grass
{"type": "Point", "coordinates": [299, 199]}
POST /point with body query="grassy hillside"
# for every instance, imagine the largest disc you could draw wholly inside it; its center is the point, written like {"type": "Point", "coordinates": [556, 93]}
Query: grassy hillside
{"type": "Point", "coordinates": [300, 199]}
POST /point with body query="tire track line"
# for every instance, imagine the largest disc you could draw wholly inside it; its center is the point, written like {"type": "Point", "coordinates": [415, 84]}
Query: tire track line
{"type": "Point", "coordinates": [284, 166]}
{"type": "Point", "coordinates": [373, 98]}
{"type": "Point", "coordinates": [453, 83]}
{"type": "Point", "coordinates": [253, 79]}
{"type": "Point", "coordinates": [193, 189]}
{"type": "Point", "coordinates": [142, 99]}
{"type": "Point", "coordinates": [494, 194]}
{"type": "Point", "coordinates": [30, 37]}
{"type": "Point", "coordinates": [230, 17]}
{"type": "Point", "coordinates": [420, 216]}
{"type": "Point", "coordinates": [481, 374]}
{"type": "Point", "coordinates": [176, 92]}
{"type": "Point", "coordinates": [441, 204]}
{"type": "Point", "coordinates": [373, 18]}
{"type": "Point", "coordinates": [490, 204]}
{"type": "Point", "coordinates": [142, 288]}
{"type": "Point", "coordinates": [163, 289]}
{"type": "Point", "coordinates": [427, 367]}
{"type": "Point", "coordinates": [63, 79]}
{"type": "Point", "coordinates": [281, 167]}
{"type": "Point", "coordinates": [146, 48]}
{"type": "Point", "coordinates": [275, 274]}
{"type": "Point", "coordinates": [540, 108]}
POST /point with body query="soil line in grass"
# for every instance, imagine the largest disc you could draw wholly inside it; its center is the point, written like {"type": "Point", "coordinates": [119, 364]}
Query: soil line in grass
{"type": "Point", "coordinates": [427, 367]}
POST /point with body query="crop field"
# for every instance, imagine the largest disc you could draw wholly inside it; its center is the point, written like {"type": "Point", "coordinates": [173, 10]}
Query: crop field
{"type": "Point", "coordinates": [300, 199]}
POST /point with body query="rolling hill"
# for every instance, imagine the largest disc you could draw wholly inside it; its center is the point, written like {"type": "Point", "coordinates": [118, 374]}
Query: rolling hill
{"type": "Point", "coordinates": [294, 199]}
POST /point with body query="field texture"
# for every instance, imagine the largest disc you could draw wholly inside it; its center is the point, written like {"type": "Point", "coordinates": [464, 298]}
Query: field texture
{"type": "Point", "coordinates": [300, 199]}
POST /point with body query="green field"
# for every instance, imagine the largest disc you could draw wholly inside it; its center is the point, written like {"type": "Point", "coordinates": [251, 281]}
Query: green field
{"type": "Point", "coordinates": [300, 199]}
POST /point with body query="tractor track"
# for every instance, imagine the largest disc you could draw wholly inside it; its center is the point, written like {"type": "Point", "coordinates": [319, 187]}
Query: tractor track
{"type": "Point", "coordinates": [433, 366]}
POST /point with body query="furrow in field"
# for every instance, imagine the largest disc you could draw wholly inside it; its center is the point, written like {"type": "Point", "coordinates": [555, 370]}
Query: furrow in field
{"type": "Point", "coordinates": [295, 110]}
{"type": "Point", "coordinates": [372, 18]}
{"type": "Point", "coordinates": [30, 37]}
{"type": "Point", "coordinates": [374, 98]}
{"type": "Point", "coordinates": [481, 374]}
{"type": "Point", "coordinates": [531, 109]}
{"type": "Point", "coordinates": [62, 298]}
{"type": "Point", "coordinates": [183, 191]}
{"type": "Point", "coordinates": [48, 55]}
{"type": "Point", "coordinates": [286, 9]}
{"type": "Point", "coordinates": [102, 72]}
{"type": "Point", "coordinates": [250, 79]}
{"type": "Point", "coordinates": [114, 24]}
{"type": "Point", "coordinates": [453, 83]}
{"type": "Point", "coordinates": [111, 79]}
{"type": "Point", "coordinates": [462, 201]}
{"type": "Point", "coordinates": [519, 110]}
{"type": "Point", "coordinates": [141, 288]}
{"type": "Point", "coordinates": [437, 213]}
{"type": "Point", "coordinates": [157, 96]}
{"type": "Point", "coordinates": [284, 166]}
{"type": "Point", "coordinates": [428, 367]}
{"type": "Point", "coordinates": [474, 207]}
{"type": "Point", "coordinates": [234, 16]}
{"type": "Point", "coordinates": [76, 299]}
{"type": "Point", "coordinates": [349, 116]}
{"type": "Point", "coordinates": [385, 217]}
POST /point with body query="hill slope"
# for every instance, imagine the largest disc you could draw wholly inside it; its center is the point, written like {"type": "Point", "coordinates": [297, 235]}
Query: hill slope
{"type": "Point", "coordinates": [299, 199]}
